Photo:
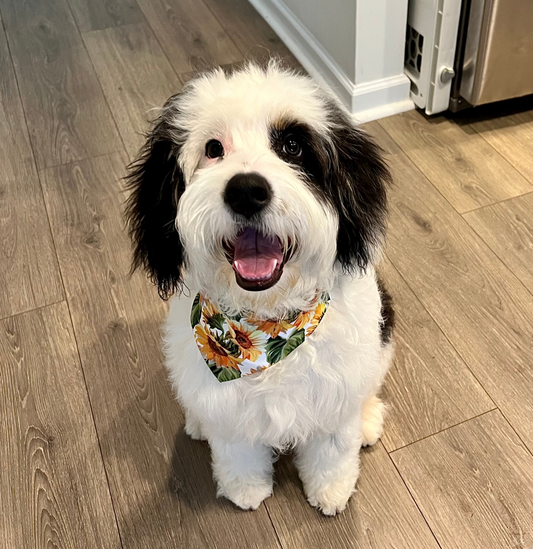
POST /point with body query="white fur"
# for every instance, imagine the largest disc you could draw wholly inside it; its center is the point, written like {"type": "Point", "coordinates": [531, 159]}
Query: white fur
{"type": "Point", "coordinates": [314, 400]}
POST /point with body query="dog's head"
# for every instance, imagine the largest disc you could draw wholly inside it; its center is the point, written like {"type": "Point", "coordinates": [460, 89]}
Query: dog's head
{"type": "Point", "coordinates": [256, 188]}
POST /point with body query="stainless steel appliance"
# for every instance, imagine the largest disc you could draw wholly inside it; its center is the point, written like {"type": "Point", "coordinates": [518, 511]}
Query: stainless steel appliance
{"type": "Point", "coordinates": [469, 52]}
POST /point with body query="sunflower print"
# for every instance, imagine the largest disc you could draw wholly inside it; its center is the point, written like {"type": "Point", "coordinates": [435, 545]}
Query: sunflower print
{"type": "Point", "coordinates": [250, 339]}
{"type": "Point", "coordinates": [213, 351]}
{"type": "Point", "coordinates": [315, 321]}
{"type": "Point", "coordinates": [236, 346]}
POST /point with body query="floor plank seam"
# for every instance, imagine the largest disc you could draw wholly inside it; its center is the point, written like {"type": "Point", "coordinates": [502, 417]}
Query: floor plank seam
{"type": "Point", "coordinates": [34, 158]}
{"type": "Point", "coordinates": [154, 34]}
{"type": "Point", "coordinates": [429, 180]}
{"type": "Point", "coordinates": [33, 309]}
{"type": "Point", "coordinates": [412, 497]}
{"type": "Point", "coordinates": [273, 526]}
{"type": "Point", "coordinates": [499, 258]}
{"type": "Point", "coordinates": [228, 34]}
{"type": "Point", "coordinates": [445, 429]}
{"type": "Point", "coordinates": [442, 331]}
{"type": "Point", "coordinates": [415, 165]}
{"type": "Point", "coordinates": [508, 162]}
{"type": "Point", "coordinates": [496, 203]}
{"type": "Point", "coordinates": [530, 450]}
{"type": "Point", "coordinates": [124, 149]}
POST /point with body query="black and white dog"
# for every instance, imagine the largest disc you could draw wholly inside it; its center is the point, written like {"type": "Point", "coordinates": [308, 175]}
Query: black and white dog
{"type": "Point", "coordinates": [257, 194]}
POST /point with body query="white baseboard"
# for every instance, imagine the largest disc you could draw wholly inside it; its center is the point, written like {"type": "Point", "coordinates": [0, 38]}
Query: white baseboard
{"type": "Point", "coordinates": [368, 101]}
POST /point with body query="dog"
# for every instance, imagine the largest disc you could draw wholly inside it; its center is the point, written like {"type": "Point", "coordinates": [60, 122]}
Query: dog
{"type": "Point", "coordinates": [258, 202]}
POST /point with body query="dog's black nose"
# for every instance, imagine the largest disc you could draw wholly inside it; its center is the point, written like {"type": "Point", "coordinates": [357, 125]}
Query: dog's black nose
{"type": "Point", "coordinates": [247, 193]}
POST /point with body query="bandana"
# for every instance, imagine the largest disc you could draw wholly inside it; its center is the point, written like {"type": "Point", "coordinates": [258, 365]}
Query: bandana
{"type": "Point", "coordinates": [237, 346]}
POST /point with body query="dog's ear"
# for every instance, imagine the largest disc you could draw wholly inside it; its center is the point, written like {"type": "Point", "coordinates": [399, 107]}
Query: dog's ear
{"type": "Point", "coordinates": [156, 183]}
{"type": "Point", "coordinates": [357, 181]}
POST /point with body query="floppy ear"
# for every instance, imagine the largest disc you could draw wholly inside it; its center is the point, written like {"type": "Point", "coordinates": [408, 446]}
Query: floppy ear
{"type": "Point", "coordinates": [156, 183]}
{"type": "Point", "coordinates": [357, 184]}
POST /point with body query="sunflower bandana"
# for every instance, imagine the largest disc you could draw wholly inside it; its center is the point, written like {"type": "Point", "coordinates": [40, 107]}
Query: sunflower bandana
{"type": "Point", "coordinates": [236, 346]}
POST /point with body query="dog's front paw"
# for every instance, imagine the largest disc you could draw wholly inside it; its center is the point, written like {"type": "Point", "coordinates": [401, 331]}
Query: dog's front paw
{"type": "Point", "coordinates": [331, 498]}
{"type": "Point", "coordinates": [245, 493]}
{"type": "Point", "coordinates": [373, 417]}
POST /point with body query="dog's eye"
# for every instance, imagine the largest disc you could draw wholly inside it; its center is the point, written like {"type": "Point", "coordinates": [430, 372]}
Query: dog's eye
{"type": "Point", "coordinates": [214, 149]}
{"type": "Point", "coordinates": [292, 146]}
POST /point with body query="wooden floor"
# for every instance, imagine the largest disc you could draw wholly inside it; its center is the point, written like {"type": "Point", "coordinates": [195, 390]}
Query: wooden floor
{"type": "Point", "coordinates": [92, 449]}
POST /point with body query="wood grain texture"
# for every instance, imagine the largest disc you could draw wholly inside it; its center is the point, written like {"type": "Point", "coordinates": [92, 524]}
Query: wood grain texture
{"type": "Point", "coordinates": [29, 274]}
{"type": "Point", "coordinates": [131, 94]}
{"type": "Point", "coordinates": [53, 489]}
{"type": "Point", "coordinates": [429, 387]}
{"type": "Point", "coordinates": [250, 32]}
{"type": "Point", "coordinates": [474, 485]}
{"type": "Point", "coordinates": [460, 163]}
{"type": "Point", "coordinates": [508, 229]}
{"type": "Point", "coordinates": [65, 109]}
{"type": "Point", "coordinates": [190, 34]}
{"type": "Point", "coordinates": [483, 310]}
{"type": "Point", "coordinates": [160, 480]}
{"type": "Point", "coordinates": [102, 14]}
{"type": "Point", "coordinates": [381, 513]}
{"type": "Point", "coordinates": [511, 135]}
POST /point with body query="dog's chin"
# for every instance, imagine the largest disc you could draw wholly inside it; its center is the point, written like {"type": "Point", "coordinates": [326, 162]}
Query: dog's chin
{"type": "Point", "coordinates": [257, 259]}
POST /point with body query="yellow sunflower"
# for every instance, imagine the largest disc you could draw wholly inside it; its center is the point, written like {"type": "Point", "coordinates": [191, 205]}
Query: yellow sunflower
{"type": "Point", "coordinates": [251, 342]}
{"type": "Point", "coordinates": [272, 327]}
{"type": "Point", "coordinates": [208, 311]}
{"type": "Point", "coordinates": [319, 313]}
{"type": "Point", "coordinates": [303, 318]}
{"type": "Point", "coordinates": [212, 350]}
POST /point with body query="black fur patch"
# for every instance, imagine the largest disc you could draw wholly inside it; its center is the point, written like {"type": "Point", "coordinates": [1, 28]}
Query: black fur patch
{"type": "Point", "coordinates": [345, 169]}
{"type": "Point", "coordinates": [387, 314]}
{"type": "Point", "coordinates": [156, 182]}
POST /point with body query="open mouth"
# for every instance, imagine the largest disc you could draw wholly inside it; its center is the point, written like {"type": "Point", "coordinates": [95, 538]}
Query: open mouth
{"type": "Point", "coordinates": [257, 259]}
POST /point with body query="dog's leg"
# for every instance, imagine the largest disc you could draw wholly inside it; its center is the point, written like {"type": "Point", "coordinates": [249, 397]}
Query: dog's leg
{"type": "Point", "coordinates": [242, 471]}
{"type": "Point", "coordinates": [373, 416]}
{"type": "Point", "coordinates": [193, 426]}
{"type": "Point", "coordinates": [328, 465]}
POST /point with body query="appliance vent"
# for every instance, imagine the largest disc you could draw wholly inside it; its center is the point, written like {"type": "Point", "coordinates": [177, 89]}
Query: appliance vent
{"type": "Point", "coordinates": [414, 47]}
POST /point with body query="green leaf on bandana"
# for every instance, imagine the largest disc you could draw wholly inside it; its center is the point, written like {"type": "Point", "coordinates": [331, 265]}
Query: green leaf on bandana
{"type": "Point", "coordinates": [227, 374]}
{"type": "Point", "coordinates": [278, 347]}
{"type": "Point", "coordinates": [196, 311]}
{"type": "Point", "coordinates": [296, 339]}
{"type": "Point", "coordinates": [274, 349]}
{"type": "Point", "coordinates": [217, 321]}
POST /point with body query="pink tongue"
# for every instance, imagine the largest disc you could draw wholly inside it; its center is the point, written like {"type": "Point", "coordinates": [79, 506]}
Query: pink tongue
{"type": "Point", "coordinates": [256, 255]}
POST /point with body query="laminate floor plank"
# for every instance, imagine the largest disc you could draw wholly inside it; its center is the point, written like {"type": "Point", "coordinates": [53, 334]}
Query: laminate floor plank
{"type": "Point", "coordinates": [250, 32]}
{"type": "Point", "coordinates": [474, 484]}
{"type": "Point", "coordinates": [160, 480]}
{"type": "Point", "coordinates": [29, 274]}
{"type": "Point", "coordinates": [429, 388]}
{"type": "Point", "coordinates": [482, 308]}
{"type": "Point", "coordinates": [458, 161]}
{"type": "Point", "coordinates": [381, 513]}
{"type": "Point", "coordinates": [53, 488]}
{"type": "Point", "coordinates": [132, 94]}
{"type": "Point", "coordinates": [507, 228]}
{"type": "Point", "coordinates": [102, 14]}
{"type": "Point", "coordinates": [66, 111]}
{"type": "Point", "coordinates": [190, 34]}
{"type": "Point", "coordinates": [512, 136]}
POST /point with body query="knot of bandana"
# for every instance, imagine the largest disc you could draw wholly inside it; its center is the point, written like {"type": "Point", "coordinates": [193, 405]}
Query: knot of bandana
{"type": "Point", "coordinates": [240, 345]}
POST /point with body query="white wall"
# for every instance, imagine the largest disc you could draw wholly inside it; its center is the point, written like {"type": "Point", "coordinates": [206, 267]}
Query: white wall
{"type": "Point", "coordinates": [332, 23]}
{"type": "Point", "coordinates": [355, 47]}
